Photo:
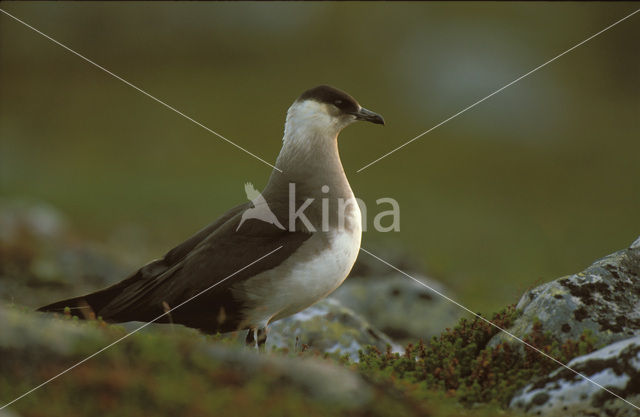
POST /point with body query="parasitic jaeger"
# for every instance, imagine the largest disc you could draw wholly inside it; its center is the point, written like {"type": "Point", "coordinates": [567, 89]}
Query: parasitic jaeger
{"type": "Point", "coordinates": [317, 227]}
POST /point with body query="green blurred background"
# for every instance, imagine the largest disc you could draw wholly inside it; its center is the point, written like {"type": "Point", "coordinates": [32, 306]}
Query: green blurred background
{"type": "Point", "coordinates": [534, 183]}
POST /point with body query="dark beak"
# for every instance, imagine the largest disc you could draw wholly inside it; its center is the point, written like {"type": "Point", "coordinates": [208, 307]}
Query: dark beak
{"type": "Point", "coordinates": [368, 116]}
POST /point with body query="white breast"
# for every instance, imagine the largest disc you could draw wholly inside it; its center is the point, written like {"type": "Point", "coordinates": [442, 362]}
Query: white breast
{"type": "Point", "coordinates": [311, 273]}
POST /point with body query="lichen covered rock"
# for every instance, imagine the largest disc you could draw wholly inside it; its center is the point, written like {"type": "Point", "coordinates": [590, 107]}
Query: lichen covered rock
{"type": "Point", "coordinates": [327, 327]}
{"type": "Point", "coordinates": [604, 298]}
{"type": "Point", "coordinates": [564, 393]}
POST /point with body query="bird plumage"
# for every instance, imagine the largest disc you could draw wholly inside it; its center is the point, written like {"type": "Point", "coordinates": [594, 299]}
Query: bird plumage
{"type": "Point", "coordinates": [307, 263]}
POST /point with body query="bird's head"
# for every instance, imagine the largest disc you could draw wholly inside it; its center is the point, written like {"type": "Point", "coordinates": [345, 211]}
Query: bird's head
{"type": "Point", "coordinates": [326, 110]}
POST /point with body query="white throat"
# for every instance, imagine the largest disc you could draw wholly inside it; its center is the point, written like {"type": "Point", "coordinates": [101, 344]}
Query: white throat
{"type": "Point", "coordinates": [310, 119]}
{"type": "Point", "coordinates": [310, 137]}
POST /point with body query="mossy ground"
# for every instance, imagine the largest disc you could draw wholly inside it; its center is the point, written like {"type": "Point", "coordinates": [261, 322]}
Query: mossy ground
{"type": "Point", "coordinates": [167, 373]}
{"type": "Point", "coordinates": [160, 373]}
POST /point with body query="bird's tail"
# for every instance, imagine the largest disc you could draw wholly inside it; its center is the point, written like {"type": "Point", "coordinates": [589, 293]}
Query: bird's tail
{"type": "Point", "coordinates": [86, 306]}
{"type": "Point", "coordinates": [77, 306]}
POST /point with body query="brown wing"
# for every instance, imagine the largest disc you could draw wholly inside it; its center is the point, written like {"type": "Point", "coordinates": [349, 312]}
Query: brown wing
{"type": "Point", "coordinates": [208, 257]}
{"type": "Point", "coordinates": [222, 254]}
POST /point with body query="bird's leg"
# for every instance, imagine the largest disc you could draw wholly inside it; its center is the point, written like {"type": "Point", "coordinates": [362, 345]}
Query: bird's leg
{"type": "Point", "coordinates": [262, 338]}
{"type": "Point", "coordinates": [250, 340]}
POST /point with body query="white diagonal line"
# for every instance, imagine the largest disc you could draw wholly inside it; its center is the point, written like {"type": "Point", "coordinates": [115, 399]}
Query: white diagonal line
{"type": "Point", "coordinates": [136, 330]}
{"type": "Point", "coordinates": [498, 90]}
{"type": "Point", "coordinates": [139, 89]}
{"type": "Point", "coordinates": [501, 329]}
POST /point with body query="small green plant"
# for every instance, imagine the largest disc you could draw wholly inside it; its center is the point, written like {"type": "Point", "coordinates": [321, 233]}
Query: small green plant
{"type": "Point", "coordinates": [459, 363]}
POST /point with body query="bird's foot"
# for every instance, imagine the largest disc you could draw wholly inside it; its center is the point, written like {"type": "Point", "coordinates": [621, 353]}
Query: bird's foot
{"type": "Point", "coordinates": [262, 339]}
{"type": "Point", "coordinates": [250, 340]}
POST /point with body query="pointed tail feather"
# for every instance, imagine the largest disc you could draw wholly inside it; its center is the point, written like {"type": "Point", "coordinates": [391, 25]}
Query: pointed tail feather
{"type": "Point", "coordinates": [77, 306]}
{"type": "Point", "coordinates": [88, 306]}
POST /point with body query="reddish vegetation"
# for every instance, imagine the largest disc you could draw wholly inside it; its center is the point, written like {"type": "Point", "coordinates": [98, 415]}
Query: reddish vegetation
{"type": "Point", "coordinates": [459, 362]}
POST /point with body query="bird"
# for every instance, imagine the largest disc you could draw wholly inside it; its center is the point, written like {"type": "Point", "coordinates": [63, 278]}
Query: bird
{"type": "Point", "coordinates": [260, 208]}
{"type": "Point", "coordinates": [312, 243]}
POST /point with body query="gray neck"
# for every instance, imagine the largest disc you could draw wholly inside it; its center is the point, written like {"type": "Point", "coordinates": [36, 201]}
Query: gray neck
{"type": "Point", "coordinates": [310, 159]}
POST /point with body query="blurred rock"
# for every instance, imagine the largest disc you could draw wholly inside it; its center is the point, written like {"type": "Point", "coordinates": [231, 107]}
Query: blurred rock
{"type": "Point", "coordinates": [40, 259]}
{"type": "Point", "coordinates": [604, 298]}
{"type": "Point", "coordinates": [327, 326]}
{"type": "Point", "coordinates": [563, 393]}
{"type": "Point", "coordinates": [401, 308]}
{"type": "Point", "coordinates": [40, 220]}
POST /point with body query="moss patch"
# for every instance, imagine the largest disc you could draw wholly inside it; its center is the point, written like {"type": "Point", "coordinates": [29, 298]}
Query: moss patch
{"type": "Point", "coordinates": [459, 363]}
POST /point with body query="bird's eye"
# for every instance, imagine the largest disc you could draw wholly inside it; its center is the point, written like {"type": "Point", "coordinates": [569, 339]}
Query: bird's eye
{"type": "Point", "coordinates": [337, 102]}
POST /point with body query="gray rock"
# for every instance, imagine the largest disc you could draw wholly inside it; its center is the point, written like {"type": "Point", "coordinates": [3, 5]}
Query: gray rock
{"type": "Point", "coordinates": [327, 326]}
{"type": "Point", "coordinates": [398, 306]}
{"type": "Point", "coordinates": [563, 393]}
{"type": "Point", "coordinates": [604, 298]}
